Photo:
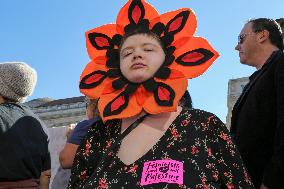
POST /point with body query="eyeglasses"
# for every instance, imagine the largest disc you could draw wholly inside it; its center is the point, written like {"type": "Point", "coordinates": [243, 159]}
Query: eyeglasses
{"type": "Point", "coordinates": [242, 37]}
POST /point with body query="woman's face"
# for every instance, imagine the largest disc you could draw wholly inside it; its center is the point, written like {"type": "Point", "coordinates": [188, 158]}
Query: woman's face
{"type": "Point", "coordinates": [141, 56]}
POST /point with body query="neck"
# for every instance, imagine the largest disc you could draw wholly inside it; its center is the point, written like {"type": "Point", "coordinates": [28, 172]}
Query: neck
{"type": "Point", "coordinates": [264, 54]}
{"type": "Point", "coordinates": [153, 117]}
{"type": "Point", "coordinates": [2, 100]}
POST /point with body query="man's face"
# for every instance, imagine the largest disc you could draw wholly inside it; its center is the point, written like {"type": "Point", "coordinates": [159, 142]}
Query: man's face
{"type": "Point", "coordinates": [247, 45]}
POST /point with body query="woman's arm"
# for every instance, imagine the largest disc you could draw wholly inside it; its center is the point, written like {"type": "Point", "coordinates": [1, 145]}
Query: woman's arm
{"type": "Point", "coordinates": [66, 156]}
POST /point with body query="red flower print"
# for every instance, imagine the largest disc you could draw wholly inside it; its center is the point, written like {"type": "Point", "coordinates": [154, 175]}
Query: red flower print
{"type": "Point", "coordinates": [87, 148]}
{"type": "Point", "coordinates": [109, 143]}
{"type": "Point", "coordinates": [230, 186]}
{"type": "Point", "coordinates": [174, 133]}
{"type": "Point", "coordinates": [228, 174]}
{"type": "Point", "coordinates": [224, 136]}
{"type": "Point", "coordinates": [209, 151]}
{"type": "Point", "coordinates": [103, 183]}
{"type": "Point", "coordinates": [184, 122]}
{"type": "Point", "coordinates": [247, 178]}
{"type": "Point", "coordinates": [83, 175]}
{"type": "Point", "coordinates": [209, 165]}
{"type": "Point", "coordinates": [133, 169]}
{"type": "Point", "coordinates": [194, 150]}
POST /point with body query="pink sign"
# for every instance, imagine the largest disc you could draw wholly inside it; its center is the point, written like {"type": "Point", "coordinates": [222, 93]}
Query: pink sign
{"type": "Point", "coordinates": [168, 171]}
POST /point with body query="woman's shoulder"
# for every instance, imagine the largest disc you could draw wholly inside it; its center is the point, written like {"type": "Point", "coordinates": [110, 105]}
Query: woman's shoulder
{"type": "Point", "coordinates": [199, 115]}
{"type": "Point", "coordinates": [200, 118]}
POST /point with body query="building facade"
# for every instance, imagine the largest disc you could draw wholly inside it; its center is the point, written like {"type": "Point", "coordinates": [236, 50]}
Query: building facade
{"type": "Point", "coordinates": [235, 88]}
{"type": "Point", "coordinates": [57, 113]}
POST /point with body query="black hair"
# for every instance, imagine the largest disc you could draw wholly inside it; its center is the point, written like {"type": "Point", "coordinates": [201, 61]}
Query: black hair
{"type": "Point", "coordinates": [275, 33]}
{"type": "Point", "coordinates": [185, 100]}
{"type": "Point", "coordinates": [139, 32]}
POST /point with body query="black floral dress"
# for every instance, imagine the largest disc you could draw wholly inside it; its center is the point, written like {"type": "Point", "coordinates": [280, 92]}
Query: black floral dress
{"type": "Point", "coordinates": [195, 152]}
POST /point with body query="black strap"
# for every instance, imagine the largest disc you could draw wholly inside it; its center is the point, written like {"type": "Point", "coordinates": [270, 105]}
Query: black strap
{"type": "Point", "coordinates": [115, 144]}
{"type": "Point", "coordinates": [127, 131]}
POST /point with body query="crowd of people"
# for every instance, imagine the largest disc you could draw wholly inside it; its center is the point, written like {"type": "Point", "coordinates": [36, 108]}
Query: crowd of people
{"type": "Point", "coordinates": [141, 129]}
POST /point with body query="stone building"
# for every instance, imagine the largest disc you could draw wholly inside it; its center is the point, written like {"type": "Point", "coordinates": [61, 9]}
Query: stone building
{"type": "Point", "coordinates": [235, 88]}
{"type": "Point", "coordinates": [62, 112]}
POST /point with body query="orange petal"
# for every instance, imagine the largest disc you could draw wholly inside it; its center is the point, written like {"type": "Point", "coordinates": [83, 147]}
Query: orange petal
{"type": "Point", "coordinates": [152, 107]}
{"type": "Point", "coordinates": [192, 44]}
{"type": "Point", "coordinates": [141, 95]}
{"type": "Point", "coordinates": [131, 110]}
{"type": "Point", "coordinates": [175, 74]}
{"type": "Point", "coordinates": [95, 92]}
{"type": "Point", "coordinates": [189, 27]}
{"type": "Point", "coordinates": [109, 30]}
{"type": "Point", "coordinates": [122, 17]}
{"type": "Point", "coordinates": [108, 89]}
{"type": "Point", "coordinates": [101, 60]}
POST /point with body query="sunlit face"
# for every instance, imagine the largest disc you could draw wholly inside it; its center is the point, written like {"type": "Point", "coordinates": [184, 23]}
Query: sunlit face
{"type": "Point", "coordinates": [247, 45]}
{"type": "Point", "coordinates": [141, 56]}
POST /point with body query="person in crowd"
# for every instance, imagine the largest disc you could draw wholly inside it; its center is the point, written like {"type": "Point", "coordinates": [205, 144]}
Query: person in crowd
{"type": "Point", "coordinates": [24, 155]}
{"type": "Point", "coordinates": [145, 138]}
{"type": "Point", "coordinates": [280, 21]}
{"type": "Point", "coordinates": [76, 135]}
{"type": "Point", "coordinates": [257, 123]}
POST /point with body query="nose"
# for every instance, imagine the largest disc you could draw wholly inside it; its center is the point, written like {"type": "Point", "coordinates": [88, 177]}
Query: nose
{"type": "Point", "coordinates": [137, 54]}
{"type": "Point", "coordinates": [237, 47]}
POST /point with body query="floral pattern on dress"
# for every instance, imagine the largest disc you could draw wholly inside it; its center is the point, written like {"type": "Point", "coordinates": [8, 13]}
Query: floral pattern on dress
{"type": "Point", "coordinates": [196, 138]}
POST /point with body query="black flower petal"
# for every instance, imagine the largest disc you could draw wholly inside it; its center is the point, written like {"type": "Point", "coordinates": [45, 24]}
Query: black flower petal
{"type": "Point", "coordinates": [112, 53]}
{"type": "Point", "coordinates": [163, 73]}
{"type": "Point", "coordinates": [131, 88]}
{"type": "Point", "coordinates": [167, 39]}
{"type": "Point", "coordinates": [112, 63]}
{"type": "Point", "coordinates": [116, 39]}
{"type": "Point", "coordinates": [119, 83]}
{"type": "Point", "coordinates": [150, 85]}
{"type": "Point", "coordinates": [158, 28]}
{"type": "Point", "coordinates": [170, 50]}
{"type": "Point", "coordinates": [113, 73]}
{"type": "Point", "coordinates": [169, 60]}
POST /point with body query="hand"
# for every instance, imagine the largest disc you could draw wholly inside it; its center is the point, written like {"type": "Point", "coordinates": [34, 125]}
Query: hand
{"type": "Point", "coordinates": [263, 187]}
{"type": "Point", "coordinates": [69, 130]}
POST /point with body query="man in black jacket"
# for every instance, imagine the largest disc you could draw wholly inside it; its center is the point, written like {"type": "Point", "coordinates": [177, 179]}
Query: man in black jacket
{"type": "Point", "coordinates": [258, 115]}
{"type": "Point", "coordinates": [24, 155]}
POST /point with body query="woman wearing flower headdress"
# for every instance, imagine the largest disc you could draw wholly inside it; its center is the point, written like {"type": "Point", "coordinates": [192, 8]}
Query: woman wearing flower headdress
{"type": "Point", "coordinates": [146, 139]}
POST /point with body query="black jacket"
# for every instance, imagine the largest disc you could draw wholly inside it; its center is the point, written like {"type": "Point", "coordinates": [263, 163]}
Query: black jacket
{"type": "Point", "coordinates": [24, 150]}
{"type": "Point", "coordinates": [258, 124]}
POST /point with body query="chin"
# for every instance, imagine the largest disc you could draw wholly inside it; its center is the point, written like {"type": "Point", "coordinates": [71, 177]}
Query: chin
{"type": "Point", "coordinates": [138, 78]}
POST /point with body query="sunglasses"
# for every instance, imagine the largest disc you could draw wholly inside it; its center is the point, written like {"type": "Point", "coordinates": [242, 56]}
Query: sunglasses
{"type": "Point", "coordinates": [242, 37]}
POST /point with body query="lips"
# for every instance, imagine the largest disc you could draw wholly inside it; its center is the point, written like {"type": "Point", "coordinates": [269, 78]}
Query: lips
{"type": "Point", "coordinates": [137, 65]}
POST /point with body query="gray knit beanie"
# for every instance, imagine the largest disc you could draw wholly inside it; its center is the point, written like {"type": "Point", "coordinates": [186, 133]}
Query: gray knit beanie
{"type": "Point", "coordinates": [17, 80]}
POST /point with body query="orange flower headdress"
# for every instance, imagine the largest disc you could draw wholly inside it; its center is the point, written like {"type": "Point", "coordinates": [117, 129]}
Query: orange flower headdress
{"type": "Point", "coordinates": [187, 57]}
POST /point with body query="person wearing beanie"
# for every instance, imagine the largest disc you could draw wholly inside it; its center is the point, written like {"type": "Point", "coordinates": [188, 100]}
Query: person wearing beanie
{"type": "Point", "coordinates": [24, 155]}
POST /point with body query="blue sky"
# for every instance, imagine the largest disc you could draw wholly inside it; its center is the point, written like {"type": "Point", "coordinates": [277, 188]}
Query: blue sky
{"type": "Point", "coordinates": [49, 35]}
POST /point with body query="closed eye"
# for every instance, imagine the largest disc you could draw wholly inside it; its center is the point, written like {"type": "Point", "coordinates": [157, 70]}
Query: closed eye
{"type": "Point", "coordinates": [127, 53]}
{"type": "Point", "coordinates": [148, 49]}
